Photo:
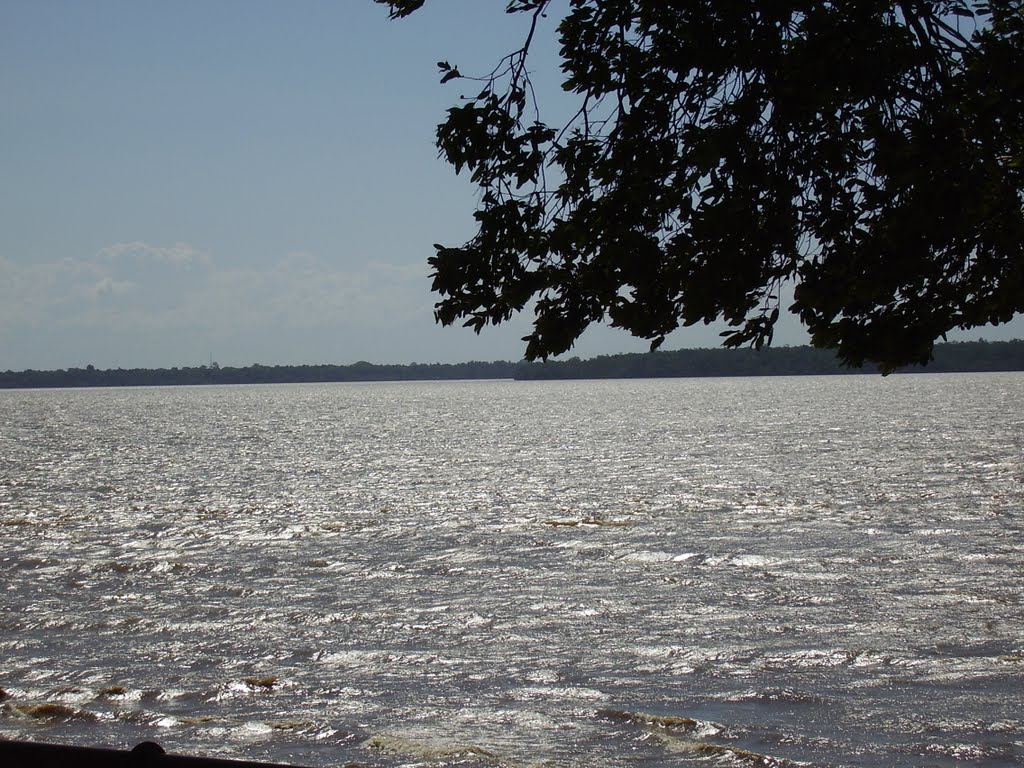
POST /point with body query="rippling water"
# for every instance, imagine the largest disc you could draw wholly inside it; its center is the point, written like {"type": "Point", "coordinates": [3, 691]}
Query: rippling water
{"type": "Point", "coordinates": [823, 571]}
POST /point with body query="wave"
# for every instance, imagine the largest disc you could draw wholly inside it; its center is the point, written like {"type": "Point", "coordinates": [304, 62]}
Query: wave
{"type": "Point", "coordinates": [688, 735]}
{"type": "Point", "coordinates": [736, 755]}
{"type": "Point", "coordinates": [431, 750]}
{"type": "Point", "coordinates": [47, 710]}
{"type": "Point", "coordinates": [571, 522]}
{"type": "Point", "coordinates": [670, 723]}
{"type": "Point", "coordinates": [776, 695]}
{"type": "Point", "coordinates": [663, 721]}
{"type": "Point", "coordinates": [976, 754]}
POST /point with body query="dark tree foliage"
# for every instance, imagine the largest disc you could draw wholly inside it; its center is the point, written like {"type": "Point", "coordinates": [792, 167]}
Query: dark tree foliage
{"type": "Point", "coordinates": [868, 152]}
{"type": "Point", "coordinates": [255, 374]}
{"type": "Point", "coordinates": [770, 361]}
{"type": "Point", "coordinates": [784, 361]}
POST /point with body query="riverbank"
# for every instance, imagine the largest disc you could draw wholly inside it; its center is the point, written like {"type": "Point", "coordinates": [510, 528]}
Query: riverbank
{"type": "Point", "coordinates": [974, 356]}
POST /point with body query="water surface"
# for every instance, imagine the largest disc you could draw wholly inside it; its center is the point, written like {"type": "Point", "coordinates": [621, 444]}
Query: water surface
{"type": "Point", "coordinates": [824, 571]}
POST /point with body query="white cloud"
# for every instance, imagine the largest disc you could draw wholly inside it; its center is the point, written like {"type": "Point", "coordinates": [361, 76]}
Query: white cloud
{"type": "Point", "coordinates": [304, 291]}
{"type": "Point", "coordinates": [138, 304]}
{"type": "Point", "coordinates": [107, 286]}
{"type": "Point", "coordinates": [141, 291]}
{"type": "Point", "coordinates": [179, 254]}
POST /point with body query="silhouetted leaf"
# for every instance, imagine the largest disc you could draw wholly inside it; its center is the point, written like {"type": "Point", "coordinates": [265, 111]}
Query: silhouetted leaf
{"type": "Point", "coordinates": [870, 154]}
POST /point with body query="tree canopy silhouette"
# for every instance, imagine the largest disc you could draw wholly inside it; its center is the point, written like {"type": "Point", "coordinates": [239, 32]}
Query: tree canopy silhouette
{"type": "Point", "coordinates": [869, 152]}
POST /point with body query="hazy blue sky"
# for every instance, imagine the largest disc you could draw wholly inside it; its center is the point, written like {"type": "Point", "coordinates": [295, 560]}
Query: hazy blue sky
{"type": "Point", "coordinates": [250, 180]}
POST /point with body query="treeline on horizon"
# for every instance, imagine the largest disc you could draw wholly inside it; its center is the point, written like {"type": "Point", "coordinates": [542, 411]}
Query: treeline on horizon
{"type": "Point", "coordinates": [774, 361]}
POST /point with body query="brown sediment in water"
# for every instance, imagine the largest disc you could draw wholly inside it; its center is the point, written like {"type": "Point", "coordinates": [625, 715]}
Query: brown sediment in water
{"type": "Point", "coordinates": [266, 683]}
{"type": "Point", "coordinates": [49, 711]}
{"type": "Point", "coordinates": [198, 719]}
{"type": "Point", "coordinates": [661, 728]}
{"type": "Point", "coordinates": [721, 750]}
{"type": "Point", "coordinates": [586, 521]}
{"type": "Point", "coordinates": [113, 690]}
{"type": "Point", "coordinates": [432, 751]}
{"type": "Point", "coordinates": [661, 721]}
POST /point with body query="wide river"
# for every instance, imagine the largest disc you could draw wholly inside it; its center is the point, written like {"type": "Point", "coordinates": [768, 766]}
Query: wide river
{"type": "Point", "coordinates": [722, 572]}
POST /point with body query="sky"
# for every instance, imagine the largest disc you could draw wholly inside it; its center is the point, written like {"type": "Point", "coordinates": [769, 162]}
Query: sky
{"type": "Point", "coordinates": [245, 181]}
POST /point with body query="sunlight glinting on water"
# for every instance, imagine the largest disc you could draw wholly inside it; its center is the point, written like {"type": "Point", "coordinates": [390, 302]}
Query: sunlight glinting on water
{"type": "Point", "coordinates": [818, 571]}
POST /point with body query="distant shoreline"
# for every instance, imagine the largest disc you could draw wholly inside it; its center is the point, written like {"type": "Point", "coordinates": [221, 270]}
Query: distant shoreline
{"type": "Point", "coordinates": [952, 357]}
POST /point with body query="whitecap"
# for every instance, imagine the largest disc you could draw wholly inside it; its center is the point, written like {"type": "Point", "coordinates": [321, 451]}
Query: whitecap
{"type": "Point", "coordinates": [645, 556]}
{"type": "Point", "coordinates": [686, 557]}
